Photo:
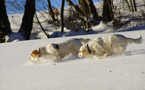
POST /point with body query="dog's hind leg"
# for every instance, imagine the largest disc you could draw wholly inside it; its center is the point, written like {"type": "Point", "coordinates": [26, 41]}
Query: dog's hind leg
{"type": "Point", "coordinates": [120, 50]}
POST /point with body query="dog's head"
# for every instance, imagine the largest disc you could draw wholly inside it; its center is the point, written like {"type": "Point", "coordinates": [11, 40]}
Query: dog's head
{"type": "Point", "coordinates": [85, 51]}
{"type": "Point", "coordinates": [35, 53]}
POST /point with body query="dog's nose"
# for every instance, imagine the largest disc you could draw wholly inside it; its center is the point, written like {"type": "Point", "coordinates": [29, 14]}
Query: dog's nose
{"type": "Point", "coordinates": [80, 55]}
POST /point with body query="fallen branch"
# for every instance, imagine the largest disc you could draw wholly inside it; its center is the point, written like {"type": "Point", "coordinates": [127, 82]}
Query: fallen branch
{"type": "Point", "coordinates": [41, 26]}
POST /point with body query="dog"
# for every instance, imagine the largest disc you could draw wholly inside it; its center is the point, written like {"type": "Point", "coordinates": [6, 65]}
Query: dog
{"type": "Point", "coordinates": [107, 46]}
{"type": "Point", "coordinates": [57, 51]}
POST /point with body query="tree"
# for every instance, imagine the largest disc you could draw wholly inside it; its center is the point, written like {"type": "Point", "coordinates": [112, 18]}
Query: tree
{"type": "Point", "coordinates": [84, 7]}
{"type": "Point", "coordinates": [5, 28]}
{"type": "Point", "coordinates": [134, 3]}
{"type": "Point", "coordinates": [92, 9]}
{"type": "Point", "coordinates": [51, 11]}
{"type": "Point", "coordinates": [4, 18]}
{"type": "Point", "coordinates": [107, 10]}
{"type": "Point", "coordinates": [128, 5]}
{"type": "Point", "coordinates": [77, 9]}
{"type": "Point", "coordinates": [132, 7]}
{"type": "Point", "coordinates": [85, 11]}
{"type": "Point", "coordinates": [62, 16]}
{"type": "Point", "coordinates": [27, 21]}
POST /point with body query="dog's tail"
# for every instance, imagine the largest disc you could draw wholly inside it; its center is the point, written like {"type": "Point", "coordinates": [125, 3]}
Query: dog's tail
{"type": "Point", "coordinates": [137, 41]}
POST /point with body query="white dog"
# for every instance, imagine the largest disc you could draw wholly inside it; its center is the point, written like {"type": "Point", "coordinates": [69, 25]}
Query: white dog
{"type": "Point", "coordinates": [58, 51]}
{"type": "Point", "coordinates": [107, 46]}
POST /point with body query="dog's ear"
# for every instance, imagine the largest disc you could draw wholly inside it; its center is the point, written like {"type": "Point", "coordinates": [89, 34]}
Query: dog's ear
{"type": "Point", "coordinates": [85, 41]}
{"type": "Point", "coordinates": [56, 46]}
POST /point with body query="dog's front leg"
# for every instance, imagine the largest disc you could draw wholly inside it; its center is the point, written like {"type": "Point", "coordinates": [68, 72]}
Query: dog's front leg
{"type": "Point", "coordinates": [32, 59]}
{"type": "Point", "coordinates": [107, 53]}
{"type": "Point", "coordinates": [57, 57]}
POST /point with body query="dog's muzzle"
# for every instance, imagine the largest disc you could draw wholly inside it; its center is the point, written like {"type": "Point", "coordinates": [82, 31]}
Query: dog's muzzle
{"type": "Point", "coordinates": [36, 53]}
{"type": "Point", "coordinates": [81, 55]}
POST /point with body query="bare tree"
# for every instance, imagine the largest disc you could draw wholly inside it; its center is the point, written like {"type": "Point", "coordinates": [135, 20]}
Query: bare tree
{"type": "Point", "coordinates": [107, 10]}
{"type": "Point", "coordinates": [84, 7]}
{"type": "Point", "coordinates": [86, 11]}
{"type": "Point", "coordinates": [62, 16]}
{"type": "Point", "coordinates": [4, 18]}
{"type": "Point", "coordinates": [5, 28]}
{"type": "Point", "coordinates": [92, 9]}
{"type": "Point", "coordinates": [51, 11]}
{"type": "Point", "coordinates": [128, 5]}
{"type": "Point", "coordinates": [78, 13]}
{"type": "Point", "coordinates": [131, 6]}
{"type": "Point", "coordinates": [134, 3]}
{"type": "Point", "coordinates": [27, 22]}
{"type": "Point", "coordinates": [77, 9]}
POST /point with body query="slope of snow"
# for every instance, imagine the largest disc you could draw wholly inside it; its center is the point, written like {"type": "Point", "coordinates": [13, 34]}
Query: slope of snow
{"type": "Point", "coordinates": [124, 72]}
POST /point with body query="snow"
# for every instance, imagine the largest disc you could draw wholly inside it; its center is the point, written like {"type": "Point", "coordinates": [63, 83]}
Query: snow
{"type": "Point", "coordinates": [133, 21]}
{"type": "Point", "coordinates": [124, 72]}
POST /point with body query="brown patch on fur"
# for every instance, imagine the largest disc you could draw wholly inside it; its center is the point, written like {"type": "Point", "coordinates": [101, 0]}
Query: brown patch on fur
{"type": "Point", "coordinates": [35, 53]}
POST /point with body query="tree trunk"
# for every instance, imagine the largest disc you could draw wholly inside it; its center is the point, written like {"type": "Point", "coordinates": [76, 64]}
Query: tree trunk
{"type": "Point", "coordinates": [92, 9]}
{"type": "Point", "coordinates": [128, 5]}
{"type": "Point", "coordinates": [131, 6]}
{"type": "Point", "coordinates": [84, 7]}
{"type": "Point", "coordinates": [107, 10]}
{"type": "Point", "coordinates": [110, 9]}
{"type": "Point", "coordinates": [62, 20]}
{"type": "Point", "coordinates": [51, 11]}
{"type": "Point", "coordinates": [77, 9]}
{"type": "Point", "coordinates": [27, 22]}
{"type": "Point", "coordinates": [4, 21]}
{"type": "Point", "coordinates": [134, 3]}
{"type": "Point", "coordinates": [112, 4]}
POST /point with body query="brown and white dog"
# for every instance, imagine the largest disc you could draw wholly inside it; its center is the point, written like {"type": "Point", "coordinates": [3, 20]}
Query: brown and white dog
{"type": "Point", "coordinates": [107, 46]}
{"type": "Point", "coordinates": [57, 51]}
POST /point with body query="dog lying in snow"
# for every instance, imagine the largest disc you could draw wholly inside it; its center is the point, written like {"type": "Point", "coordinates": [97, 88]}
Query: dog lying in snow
{"type": "Point", "coordinates": [58, 51]}
{"type": "Point", "coordinates": [107, 46]}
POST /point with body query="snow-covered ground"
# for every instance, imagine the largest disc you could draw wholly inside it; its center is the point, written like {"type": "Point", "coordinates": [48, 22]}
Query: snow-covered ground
{"type": "Point", "coordinates": [124, 72]}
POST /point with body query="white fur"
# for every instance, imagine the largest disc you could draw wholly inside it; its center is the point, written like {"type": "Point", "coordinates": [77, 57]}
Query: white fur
{"type": "Point", "coordinates": [58, 51]}
{"type": "Point", "coordinates": [107, 46]}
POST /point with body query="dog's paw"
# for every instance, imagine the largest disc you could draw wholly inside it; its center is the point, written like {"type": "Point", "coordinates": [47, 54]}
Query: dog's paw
{"type": "Point", "coordinates": [32, 59]}
{"type": "Point", "coordinates": [98, 57]}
